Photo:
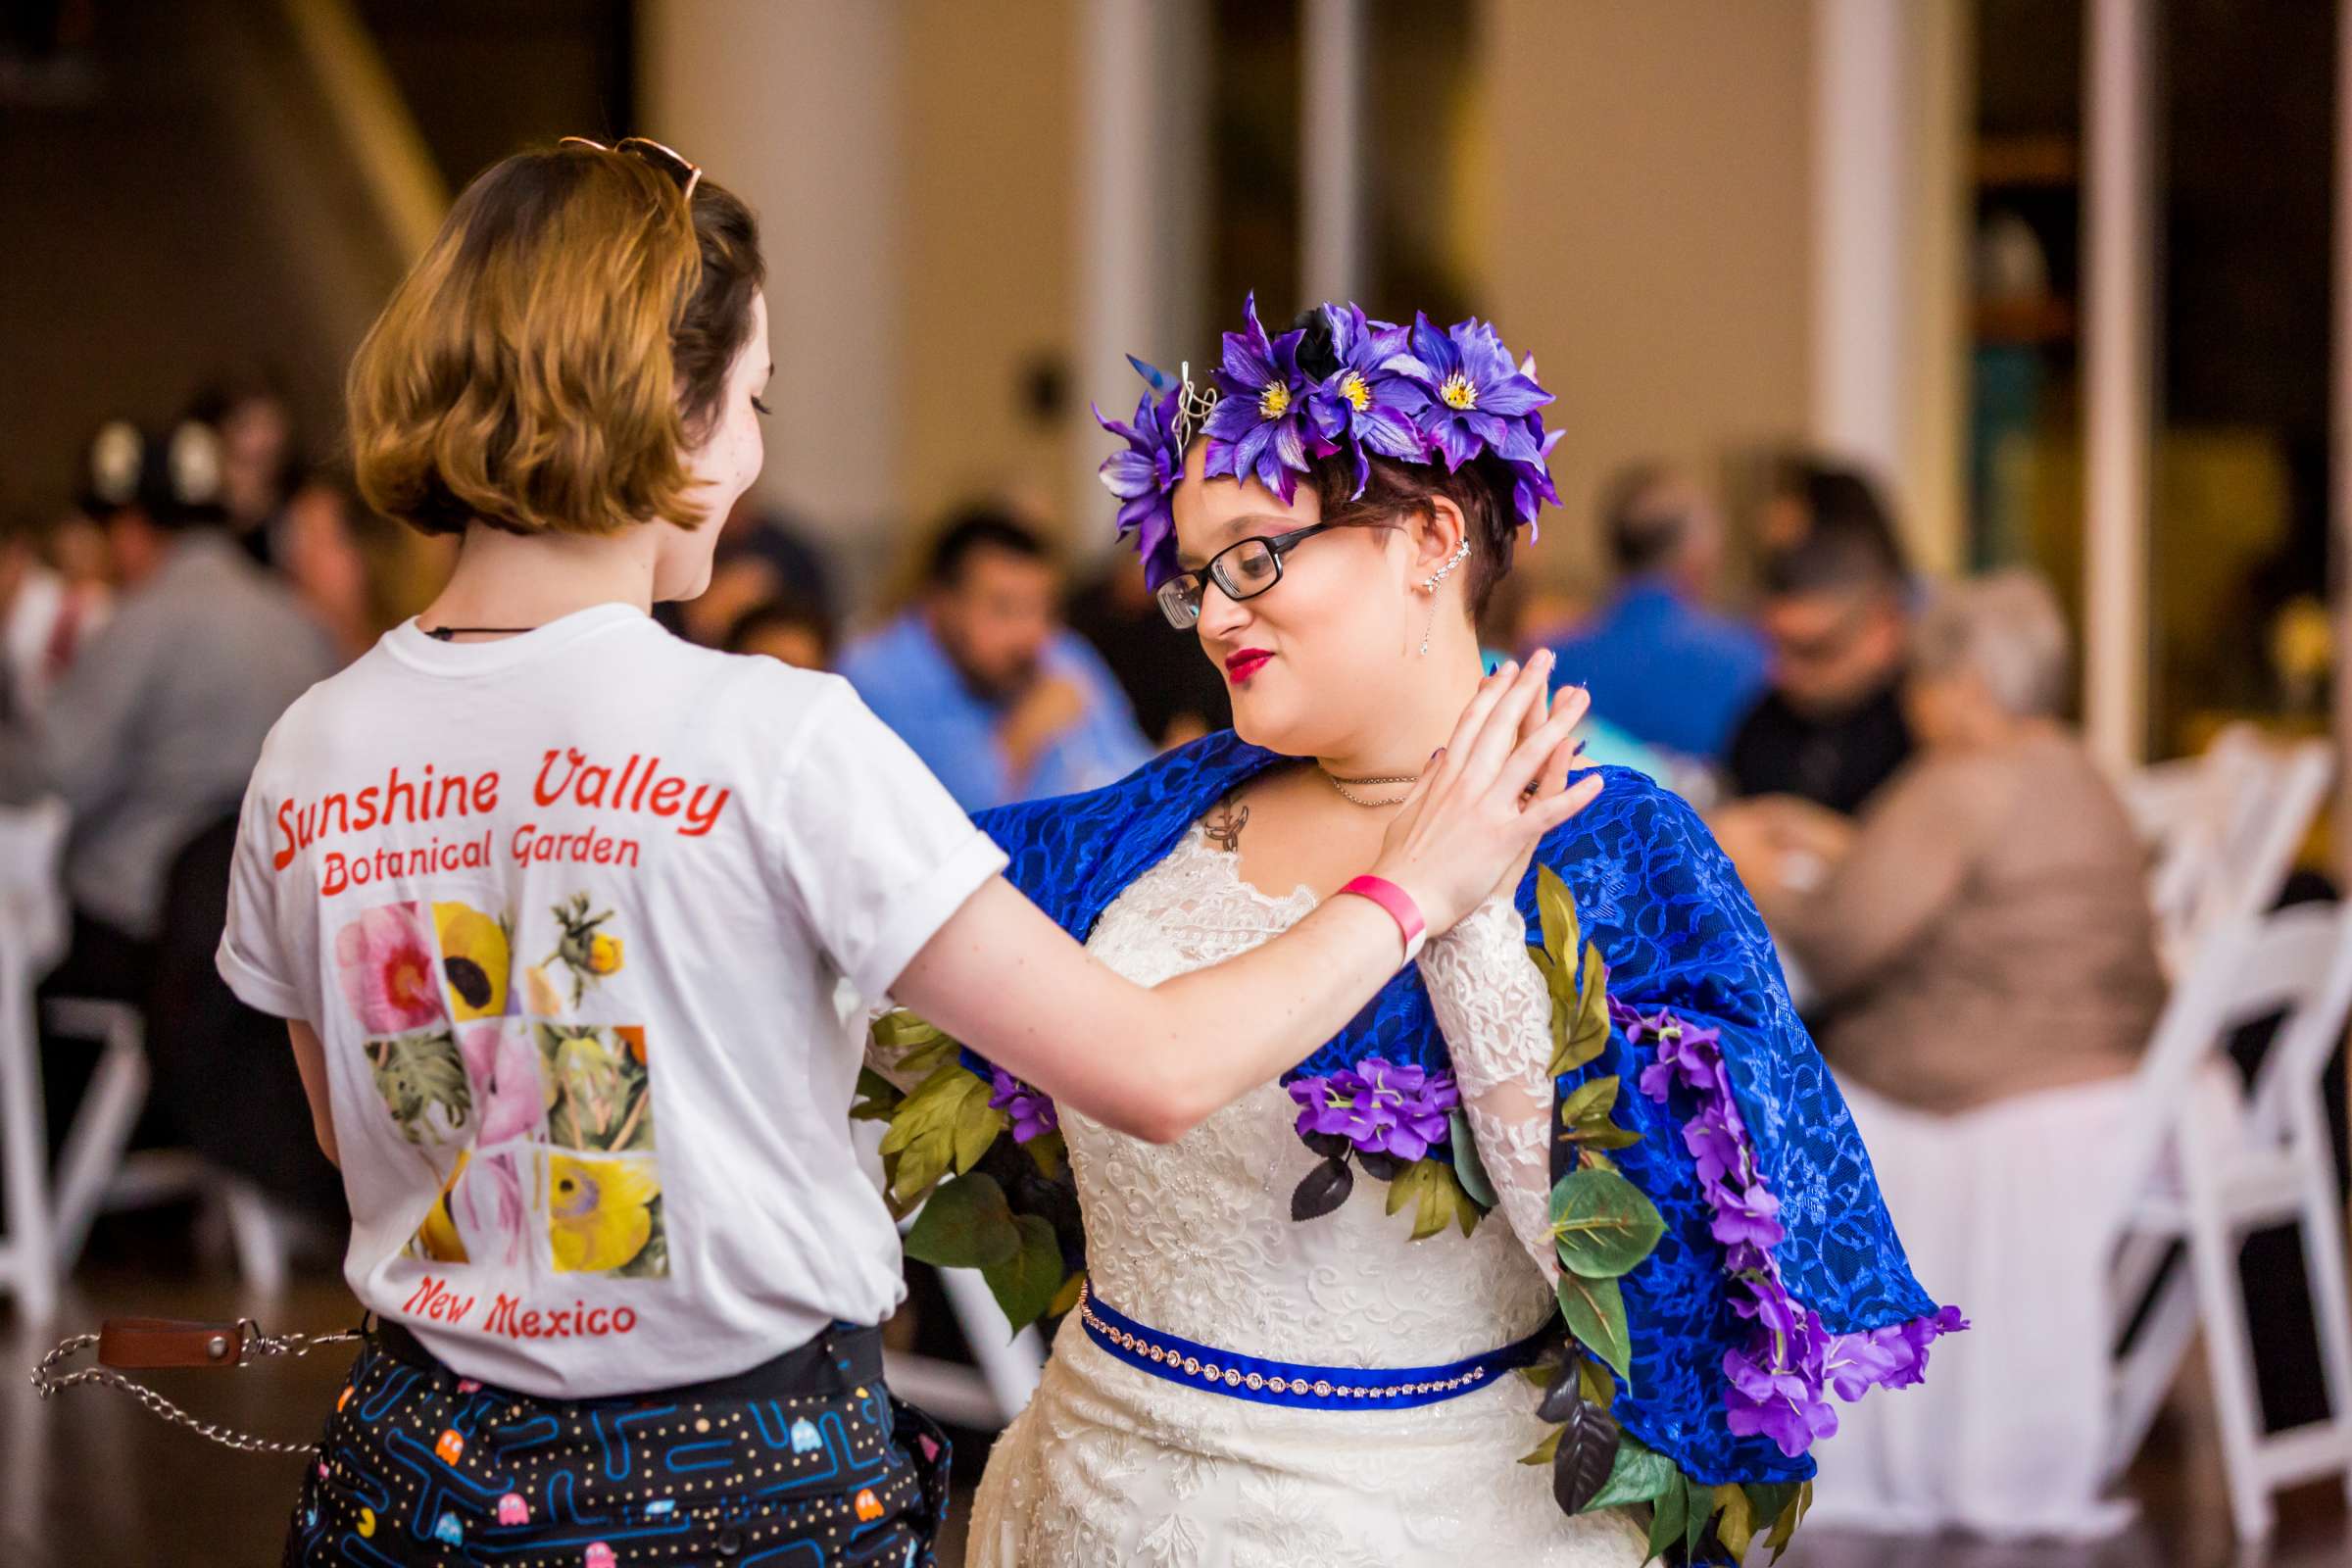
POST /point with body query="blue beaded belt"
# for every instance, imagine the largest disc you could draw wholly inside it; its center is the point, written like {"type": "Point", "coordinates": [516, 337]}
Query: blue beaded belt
{"type": "Point", "coordinates": [1311, 1388]}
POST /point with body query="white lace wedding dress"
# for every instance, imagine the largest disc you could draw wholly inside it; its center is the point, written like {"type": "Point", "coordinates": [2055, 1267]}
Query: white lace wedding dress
{"type": "Point", "coordinates": [1113, 1465]}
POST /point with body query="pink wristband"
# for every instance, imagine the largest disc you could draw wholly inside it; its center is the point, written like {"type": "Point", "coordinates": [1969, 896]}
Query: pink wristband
{"type": "Point", "coordinates": [1400, 906]}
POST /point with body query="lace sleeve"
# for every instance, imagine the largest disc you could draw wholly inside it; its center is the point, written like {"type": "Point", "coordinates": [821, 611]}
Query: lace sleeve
{"type": "Point", "coordinates": [1496, 1013]}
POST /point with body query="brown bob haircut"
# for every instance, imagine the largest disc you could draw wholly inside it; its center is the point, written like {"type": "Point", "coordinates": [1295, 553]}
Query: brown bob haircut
{"type": "Point", "coordinates": [557, 351]}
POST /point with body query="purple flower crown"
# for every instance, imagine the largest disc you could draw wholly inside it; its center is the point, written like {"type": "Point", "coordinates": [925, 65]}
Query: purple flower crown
{"type": "Point", "coordinates": [1342, 383]}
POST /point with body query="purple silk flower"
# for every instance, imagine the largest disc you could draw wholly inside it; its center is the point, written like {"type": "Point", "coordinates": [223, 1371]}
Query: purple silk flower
{"type": "Point", "coordinates": [1467, 396]}
{"type": "Point", "coordinates": [1145, 475]}
{"type": "Point", "coordinates": [1780, 1382]}
{"type": "Point", "coordinates": [1364, 404]}
{"type": "Point", "coordinates": [1380, 1106]}
{"type": "Point", "coordinates": [1259, 428]}
{"type": "Point", "coordinates": [1032, 1114]}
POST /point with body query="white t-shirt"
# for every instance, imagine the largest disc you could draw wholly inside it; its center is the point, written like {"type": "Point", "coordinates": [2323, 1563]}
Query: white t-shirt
{"type": "Point", "coordinates": [569, 912]}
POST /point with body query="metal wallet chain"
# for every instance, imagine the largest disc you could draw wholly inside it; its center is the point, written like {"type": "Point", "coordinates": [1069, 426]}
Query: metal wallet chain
{"type": "Point", "coordinates": [47, 1380]}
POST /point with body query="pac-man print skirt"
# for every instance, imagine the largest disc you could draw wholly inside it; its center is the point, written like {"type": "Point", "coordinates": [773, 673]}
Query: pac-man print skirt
{"type": "Point", "coordinates": [801, 1464]}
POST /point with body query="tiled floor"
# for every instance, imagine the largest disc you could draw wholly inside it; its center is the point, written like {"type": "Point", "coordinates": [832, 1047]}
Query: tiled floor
{"type": "Point", "coordinates": [90, 1481]}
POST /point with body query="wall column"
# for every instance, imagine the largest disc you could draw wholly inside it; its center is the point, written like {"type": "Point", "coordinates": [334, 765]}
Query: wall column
{"type": "Point", "coordinates": [2119, 400]}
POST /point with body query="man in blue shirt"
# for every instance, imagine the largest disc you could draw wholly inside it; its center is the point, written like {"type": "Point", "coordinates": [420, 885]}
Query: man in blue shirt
{"type": "Point", "coordinates": [1661, 665]}
{"type": "Point", "coordinates": [983, 682]}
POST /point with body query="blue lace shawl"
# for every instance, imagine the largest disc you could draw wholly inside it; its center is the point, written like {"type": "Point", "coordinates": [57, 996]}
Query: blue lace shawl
{"type": "Point", "coordinates": [1678, 933]}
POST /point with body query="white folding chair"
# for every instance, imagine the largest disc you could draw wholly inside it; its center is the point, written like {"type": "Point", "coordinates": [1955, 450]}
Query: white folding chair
{"type": "Point", "coordinates": [2208, 1163]}
{"type": "Point", "coordinates": [32, 938]}
{"type": "Point", "coordinates": [2223, 829]}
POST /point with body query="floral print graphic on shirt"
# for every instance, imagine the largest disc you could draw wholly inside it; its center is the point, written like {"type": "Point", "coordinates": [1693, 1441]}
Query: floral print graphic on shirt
{"type": "Point", "coordinates": [477, 1065]}
{"type": "Point", "coordinates": [504, 1067]}
{"type": "Point", "coordinates": [476, 953]}
{"type": "Point", "coordinates": [483, 1213]}
{"type": "Point", "coordinates": [599, 1096]}
{"type": "Point", "coordinates": [605, 1216]}
{"type": "Point", "coordinates": [423, 1082]}
{"type": "Point", "coordinates": [583, 946]}
{"type": "Point", "coordinates": [385, 960]}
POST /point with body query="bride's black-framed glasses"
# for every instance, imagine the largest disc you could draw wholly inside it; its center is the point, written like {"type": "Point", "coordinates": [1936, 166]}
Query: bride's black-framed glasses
{"type": "Point", "coordinates": [1243, 569]}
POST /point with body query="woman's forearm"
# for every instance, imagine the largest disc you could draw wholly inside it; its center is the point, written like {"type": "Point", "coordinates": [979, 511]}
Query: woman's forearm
{"type": "Point", "coordinates": [1001, 977]}
{"type": "Point", "coordinates": [1152, 1061]}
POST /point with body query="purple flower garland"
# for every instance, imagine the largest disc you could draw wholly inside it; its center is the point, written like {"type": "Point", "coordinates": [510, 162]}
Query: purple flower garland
{"type": "Point", "coordinates": [1030, 1111]}
{"type": "Point", "coordinates": [1380, 1107]}
{"type": "Point", "coordinates": [1777, 1382]}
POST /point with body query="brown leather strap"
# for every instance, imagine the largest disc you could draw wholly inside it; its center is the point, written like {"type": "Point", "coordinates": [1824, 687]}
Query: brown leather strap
{"type": "Point", "coordinates": [147, 1341]}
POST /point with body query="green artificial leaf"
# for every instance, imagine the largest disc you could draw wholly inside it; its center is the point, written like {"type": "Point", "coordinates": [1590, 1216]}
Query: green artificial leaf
{"type": "Point", "coordinates": [1735, 1525]}
{"type": "Point", "coordinates": [1784, 1529]}
{"type": "Point", "coordinates": [1437, 1197]}
{"type": "Point", "coordinates": [1639, 1474]}
{"type": "Point", "coordinates": [1594, 1379]}
{"type": "Point", "coordinates": [1026, 1283]}
{"type": "Point", "coordinates": [916, 1169]}
{"type": "Point", "coordinates": [1544, 1450]}
{"type": "Point", "coordinates": [1562, 987]}
{"type": "Point", "coordinates": [977, 1125]}
{"type": "Point", "coordinates": [1594, 1159]}
{"type": "Point", "coordinates": [1065, 1300]}
{"type": "Point", "coordinates": [1700, 1509]}
{"type": "Point", "coordinates": [901, 1030]}
{"type": "Point", "coordinates": [965, 1224]}
{"type": "Point", "coordinates": [914, 1046]}
{"type": "Point", "coordinates": [878, 1096]}
{"type": "Point", "coordinates": [1595, 1313]}
{"type": "Point", "coordinates": [1590, 1101]}
{"type": "Point", "coordinates": [1588, 1031]}
{"type": "Point", "coordinates": [1767, 1500]}
{"type": "Point", "coordinates": [1468, 1168]}
{"type": "Point", "coordinates": [1604, 1224]}
{"type": "Point", "coordinates": [936, 1125]}
{"type": "Point", "coordinates": [1049, 1154]}
{"type": "Point", "coordinates": [1668, 1512]}
{"type": "Point", "coordinates": [1555, 909]}
{"type": "Point", "coordinates": [1543, 1374]}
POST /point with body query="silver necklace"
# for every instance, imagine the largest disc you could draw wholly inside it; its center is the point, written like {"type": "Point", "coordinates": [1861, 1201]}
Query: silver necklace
{"type": "Point", "coordinates": [1354, 799]}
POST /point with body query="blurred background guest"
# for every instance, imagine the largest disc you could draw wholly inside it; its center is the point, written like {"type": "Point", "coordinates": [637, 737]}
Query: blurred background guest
{"type": "Point", "coordinates": [1177, 694]}
{"type": "Point", "coordinates": [1984, 942]}
{"type": "Point", "coordinates": [1830, 728]}
{"type": "Point", "coordinates": [153, 731]}
{"type": "Point", "coordinates": [1982, 929]}
{"type": "Point", "coordinates": [47, 614]}
{"type": "Point", "coordinates": [791, 627]}
{"type": "Point", "coordinates": [320, 555]}
{"type": "Point", "coordinates": [980, 679]}
{"type": "Point", "coordinates": [1662, 665]}
{"type": "Point", "coordinates": [761, 556]}
{"type": "Point", "coordinates": [261, 466]}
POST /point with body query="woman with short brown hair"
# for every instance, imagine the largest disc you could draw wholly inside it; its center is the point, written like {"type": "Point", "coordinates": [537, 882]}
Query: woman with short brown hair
{"type": "Point", "coordinates": [561, 911]}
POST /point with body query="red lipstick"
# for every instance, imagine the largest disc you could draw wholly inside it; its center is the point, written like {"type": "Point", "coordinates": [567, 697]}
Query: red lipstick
{"type": "Point", "coordinates": [1239, 667]}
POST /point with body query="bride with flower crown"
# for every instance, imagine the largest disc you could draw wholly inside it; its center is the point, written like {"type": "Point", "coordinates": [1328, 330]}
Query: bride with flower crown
{"type": "Point", "coordinates": [1575, 1190]}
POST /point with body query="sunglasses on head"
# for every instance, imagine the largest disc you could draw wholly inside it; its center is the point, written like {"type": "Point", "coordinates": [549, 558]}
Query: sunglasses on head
{"type": "Point", "coordinates": [668, 159]}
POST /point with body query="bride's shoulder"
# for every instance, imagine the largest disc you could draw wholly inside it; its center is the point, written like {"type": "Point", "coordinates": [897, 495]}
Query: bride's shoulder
{"type": "Point", "coordinates": [1632, 815]}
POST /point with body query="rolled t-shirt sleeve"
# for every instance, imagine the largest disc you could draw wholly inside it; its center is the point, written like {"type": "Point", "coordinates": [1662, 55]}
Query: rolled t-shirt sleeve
{"type": "Point", "coordinates": [251, 956]}
{"type": "Point", "coordinates": [878, 853]}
